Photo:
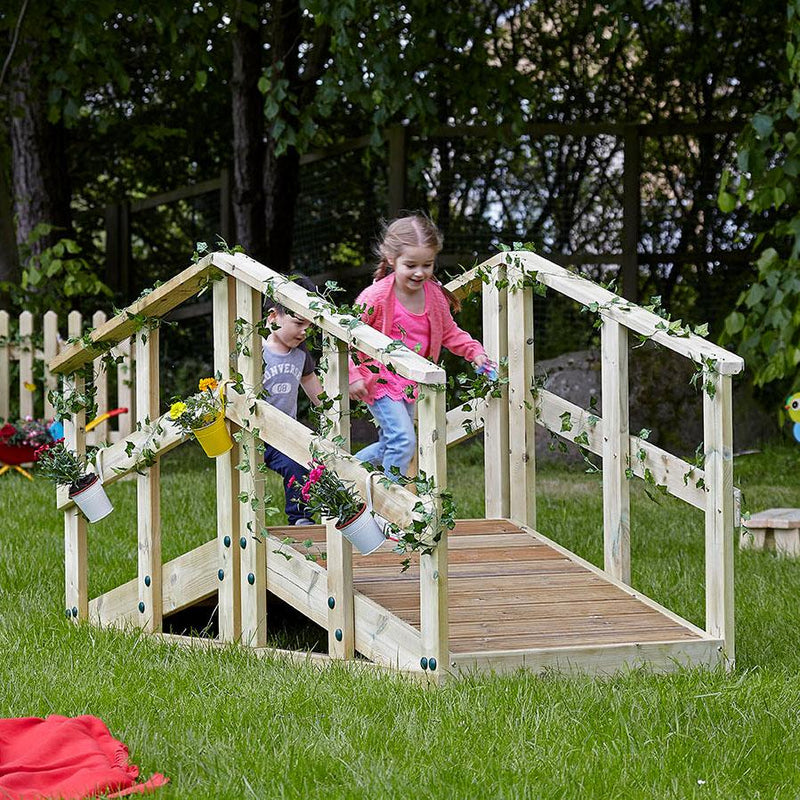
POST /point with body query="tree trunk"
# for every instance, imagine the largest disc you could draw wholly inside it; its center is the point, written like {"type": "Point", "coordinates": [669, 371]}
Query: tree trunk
{"type": "Point", "coordinates": [40, 180]}
{"type": "Point", "coordinates": [9, 265]}
{"type": "Point", "coordinates": [282, 173]}
{"type": "Point", "coordinates": [248, 148]}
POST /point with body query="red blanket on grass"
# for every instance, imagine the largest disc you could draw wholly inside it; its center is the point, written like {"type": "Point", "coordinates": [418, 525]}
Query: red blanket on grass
{"type": "Point", "coordinates": [65, 758]}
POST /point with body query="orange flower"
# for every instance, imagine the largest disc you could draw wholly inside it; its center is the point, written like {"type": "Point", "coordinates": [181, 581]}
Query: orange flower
{"type": "Point", "coordinates": [208, 383]}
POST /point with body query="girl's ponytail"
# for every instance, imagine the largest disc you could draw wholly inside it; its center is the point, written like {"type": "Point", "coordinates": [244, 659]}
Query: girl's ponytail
{"type": "Point", "coordinates": [382, 270]}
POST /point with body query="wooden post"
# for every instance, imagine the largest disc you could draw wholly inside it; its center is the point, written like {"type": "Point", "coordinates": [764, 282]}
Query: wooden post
{"type": "Point", "coordinates": [148, 486]}
{"type": "Point", "coordinates": [341, 621]}
{"type": "Point", "coordinates": [616, 450]}
{"type": "Point", "coordinates": [631, 210]}
{"type": "Point", "coordinates": [228, 522]}
{"type": "Point", "coordinates": [521, 415]}
{"type": "Point", "coordinates": [253, 555]}
{"type": "Point", "coordinates": [50, 330]}
{"type": "Point", "coordinates": [718, 441]}
{"type": "Point", "coordinates": [433, 568]}
{"type": "Point", "coordinates": [5, 387]}
{"type": "Point", "coordinates": [26, 354]}
{"type": "Point", "coordinates": [76, 558]}
{"type": "Point", "coordinates": [495, 430]}
{"type": "Point", "coordinates": [397, 170]}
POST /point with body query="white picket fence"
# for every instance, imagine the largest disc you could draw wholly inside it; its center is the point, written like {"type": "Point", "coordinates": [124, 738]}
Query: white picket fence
{"type": "Point", "coordinates": [21, 349]}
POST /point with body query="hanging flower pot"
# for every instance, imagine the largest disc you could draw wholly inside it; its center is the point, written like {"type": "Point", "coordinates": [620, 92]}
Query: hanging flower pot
{"type": "Point", "coordinates": [91, 498]}
{"type": "Point", "coordinates": [203, 414]}
{"type": "Point", "coordinates": [363, 532]}
{"type": "Point", "coordinates": [214, 438]}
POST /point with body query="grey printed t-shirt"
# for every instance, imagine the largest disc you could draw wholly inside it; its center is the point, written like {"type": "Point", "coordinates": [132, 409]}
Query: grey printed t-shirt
{"type": "Point", "coordinates": [282, 374]}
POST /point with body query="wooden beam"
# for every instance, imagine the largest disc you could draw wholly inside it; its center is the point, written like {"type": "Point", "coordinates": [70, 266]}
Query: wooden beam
{"type": "Point", "coordinates": [341, 620]}
{"type": "Point", "coordinates": [521, 418]}
{"type": "Point", "coordinates": [616, 451]}
{"type": "Point", "coordinates": [611, 305]}
{"type": "Point", "coordinates": [497, 480]}
{"type": "Point", "coordinates": [227, 477]}
{"type": "Point", "coordinates": [155, 304]}
{"type": "Point", "coordinates": [719, 519]}
{"type": "Point", "coordinates": [342, 326]}
{"type": "Point", "coordinates": [433, 566]}
{"type": "Point", "coordinates": [148, 486]}
{"type": "Point", "coordinates": [253, 552]}
{"type": "Point", "coordinates": [76, 554]}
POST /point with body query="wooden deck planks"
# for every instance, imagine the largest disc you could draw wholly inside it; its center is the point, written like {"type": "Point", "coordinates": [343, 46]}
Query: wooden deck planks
{"type": "Point", "coordinates": [509, 590]}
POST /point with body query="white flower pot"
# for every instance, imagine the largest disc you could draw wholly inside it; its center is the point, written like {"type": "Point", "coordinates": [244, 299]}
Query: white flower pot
{"type": "Point", "coordinates": [363, 532]}
{"type": "Point", "coordinates": [92, 500]}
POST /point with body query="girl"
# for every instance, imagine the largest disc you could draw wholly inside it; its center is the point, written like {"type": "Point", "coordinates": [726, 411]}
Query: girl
{"type": "Point", "coordinates": [407, 303]}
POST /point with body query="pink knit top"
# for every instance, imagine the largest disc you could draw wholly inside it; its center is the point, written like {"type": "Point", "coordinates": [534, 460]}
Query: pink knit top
{"type": "Point", "coordinates": [414, 330]}
{"type": "Point", "coordinates": [380, 309]}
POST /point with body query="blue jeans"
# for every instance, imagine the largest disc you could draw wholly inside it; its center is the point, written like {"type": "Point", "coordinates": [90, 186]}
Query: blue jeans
{"type": "Point", "coordinates": [288, 469]}
{"type": "Point", "coordinates": [396, 436]}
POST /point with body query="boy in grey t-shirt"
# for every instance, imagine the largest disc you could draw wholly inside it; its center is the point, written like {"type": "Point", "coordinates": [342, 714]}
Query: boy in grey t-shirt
{"type": "Point", "coordinates": [287, 366]}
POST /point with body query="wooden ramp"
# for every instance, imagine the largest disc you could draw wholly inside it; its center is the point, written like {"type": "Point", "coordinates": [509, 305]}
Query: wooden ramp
{"type": "Point", "coordinates": [517, 599]}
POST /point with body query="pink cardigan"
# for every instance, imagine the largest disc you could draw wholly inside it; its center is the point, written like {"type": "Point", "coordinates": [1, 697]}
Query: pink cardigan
{"type": "Point", "coordinates": [378, 301]}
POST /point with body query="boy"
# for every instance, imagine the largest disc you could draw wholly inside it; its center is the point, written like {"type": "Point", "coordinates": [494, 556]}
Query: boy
{"type": "Point", "coordinates": [288, 365]}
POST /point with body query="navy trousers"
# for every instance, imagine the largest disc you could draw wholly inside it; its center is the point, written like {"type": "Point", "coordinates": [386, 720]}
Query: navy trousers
{"type": "Point", "coordinates": [287, 469]}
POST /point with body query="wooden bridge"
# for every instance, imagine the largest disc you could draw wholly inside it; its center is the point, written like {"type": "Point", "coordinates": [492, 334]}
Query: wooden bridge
{"type": "Point", "coordinates": [495, 593]}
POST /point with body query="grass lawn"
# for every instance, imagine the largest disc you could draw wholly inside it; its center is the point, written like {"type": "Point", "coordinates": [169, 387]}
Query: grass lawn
{"type": "Point", "coordinates": [226, 724]}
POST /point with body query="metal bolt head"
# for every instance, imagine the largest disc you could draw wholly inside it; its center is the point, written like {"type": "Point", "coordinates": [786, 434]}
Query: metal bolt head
{"type": "Point", "coordinates": [243, 542]}
{"type": "Point", "coordinates": [68, 613]}
{"type": "Point", "coordinates": [147, 580]}
{"type": "Point", "coordinates": [423, 662]}
{"type": "Point", "coordinates": [74, 611]}
{"type": "Point", "coordinates": [141, 608]}
{"type": "Point", "coordinates": [338, 634]}
{"type": "Point", "coordinates": [251, 579]}
{"type": "Point", "coordinates": [432, 664]}
{"type": "Point", "coordinates": [227, 541]}
{"type": "Point", "coordinates": [221, 574]}
{"type": "Point", "coordinates": [331, 602]}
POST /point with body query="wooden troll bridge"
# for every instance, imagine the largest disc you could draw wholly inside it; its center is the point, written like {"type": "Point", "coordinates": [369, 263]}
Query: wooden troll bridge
{"type": "Point", "coordinates": [495, 594]}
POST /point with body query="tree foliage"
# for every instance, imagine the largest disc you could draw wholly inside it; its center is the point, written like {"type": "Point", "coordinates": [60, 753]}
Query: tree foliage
{"type": "Point", "coordinates": [766, 322]}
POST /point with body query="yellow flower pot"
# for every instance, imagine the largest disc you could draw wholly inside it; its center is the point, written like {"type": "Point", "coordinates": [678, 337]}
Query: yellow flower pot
{"type": "Point", "coordinates": [214, 437]}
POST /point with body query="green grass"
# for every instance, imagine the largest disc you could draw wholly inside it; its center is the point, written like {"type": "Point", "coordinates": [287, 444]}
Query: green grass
{"type": "Point", "coordinates": [226, 724]}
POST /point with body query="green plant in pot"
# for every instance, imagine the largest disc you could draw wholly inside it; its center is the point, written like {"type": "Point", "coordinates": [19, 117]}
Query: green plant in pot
{"type": "Point", "coordinates": [66, 468]}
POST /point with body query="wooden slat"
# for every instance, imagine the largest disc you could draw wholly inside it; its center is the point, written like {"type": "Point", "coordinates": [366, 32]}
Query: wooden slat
{"type": "Point", "coordinates": [497, 492]}
{"type": "Point", "coordinates": [468, 419]}
{"type": "Point", "coordinates": [521, 420]}
{"type": "Point", "coordinates": [76, 555]}
{"type": "Point", "coordinates": [100, 374]}
{"type": "Point", "coordinates": [148, 487]}
{"type": "Point", "coordinates": [341, 620]}
{"type": "Point", "coordinates": [125, 393]}
{"type": "Point", "coordinates": [5, 386]}
{"type": "Point", "coordinates": [616, 489]}
{"type": "Point", "coordinates": [433, 567]}
{"type": "Point", "coordinates": [50, 332]}
{"type": "Point", "coordinates": [719, 517]}
{"type": "Point", "coordinates": [353, 332]}
{"type": "Point", "coordinates": [188, 579]}
{"type": "Point", "coordinates": [294, 439]}
{"type": "Point", "coordinates": [25, 364]}
{"type": "Point", "coordinates": [611, 305]}
{"type": "Point", "coordinates": [156, 304]}
{"type": "Point", "coordinates": [596, 659]}
{"type": "Point", "coordinates": [253, 555]}
{"type": "Point", "coordinates": [227, 476]}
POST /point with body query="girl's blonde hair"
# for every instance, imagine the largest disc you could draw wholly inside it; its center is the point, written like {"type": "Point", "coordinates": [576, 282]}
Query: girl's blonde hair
{"type": "Point", "coordinates": [415, 230]}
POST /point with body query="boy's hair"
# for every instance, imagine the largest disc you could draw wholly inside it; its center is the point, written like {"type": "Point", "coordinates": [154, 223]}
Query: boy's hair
{"type": "Point", "coordinates": [301, 280]}
{"type": "Point", "coordinates": [415, 230]}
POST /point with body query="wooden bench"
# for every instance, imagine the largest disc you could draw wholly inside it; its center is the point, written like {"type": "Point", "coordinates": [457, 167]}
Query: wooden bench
{"type": "Point", "coordinates": [776, 529]}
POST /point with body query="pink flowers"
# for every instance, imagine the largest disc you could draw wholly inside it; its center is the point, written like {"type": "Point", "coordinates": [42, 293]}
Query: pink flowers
{"type": "Point", "coordinates": [313, 477]}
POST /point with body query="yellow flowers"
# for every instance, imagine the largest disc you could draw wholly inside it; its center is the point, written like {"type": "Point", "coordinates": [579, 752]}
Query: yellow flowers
{"type": "Point", "coordinates": [208, 383]}
{"type": "Point", "coordinates": [176, 409]}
